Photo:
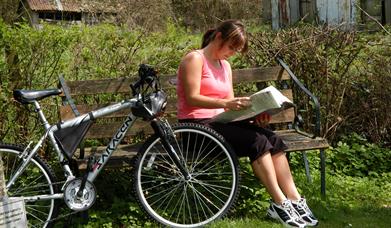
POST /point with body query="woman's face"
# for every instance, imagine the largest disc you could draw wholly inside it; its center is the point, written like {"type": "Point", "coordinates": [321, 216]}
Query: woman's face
{"type": "Point", "coordinates": [227, 50]}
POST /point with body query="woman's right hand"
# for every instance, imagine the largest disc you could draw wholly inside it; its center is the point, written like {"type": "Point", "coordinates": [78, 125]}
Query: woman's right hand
{"type": "Point", "coordinates": [238, 103]}
{"type": "Point", "coordinates": [262, 120]}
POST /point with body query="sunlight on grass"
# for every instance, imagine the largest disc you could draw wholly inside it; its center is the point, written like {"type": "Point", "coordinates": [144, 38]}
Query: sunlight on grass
{"type": "Point", "coordinates": [350, 202]}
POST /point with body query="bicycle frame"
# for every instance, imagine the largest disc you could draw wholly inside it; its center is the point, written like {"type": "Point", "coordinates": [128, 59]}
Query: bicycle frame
{"type": "Point", "coordinates": [166, 153]}
{"type": "Point", "coordinates": [98, 165]}
{"type": "Point", "coordinates": [107, 153]}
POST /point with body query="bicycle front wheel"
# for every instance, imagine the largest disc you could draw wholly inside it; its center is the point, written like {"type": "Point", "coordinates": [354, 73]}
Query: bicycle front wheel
{"type": "Point", "coordinates": [171, 199]}
{"type": "Point", "coordinates": [33, 185]}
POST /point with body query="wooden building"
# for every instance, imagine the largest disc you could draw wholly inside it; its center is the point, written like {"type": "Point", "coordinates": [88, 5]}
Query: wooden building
{"type": "Point", "coordinates": [332, 12]}
{"type": "Point", "coordinates": [68, 11]}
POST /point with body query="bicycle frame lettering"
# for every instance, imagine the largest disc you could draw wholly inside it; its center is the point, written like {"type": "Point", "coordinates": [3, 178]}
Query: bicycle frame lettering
{"type": "Point", "coordinates": [111, 147]}
{"type": "Point", "coordinates": [114, 142]}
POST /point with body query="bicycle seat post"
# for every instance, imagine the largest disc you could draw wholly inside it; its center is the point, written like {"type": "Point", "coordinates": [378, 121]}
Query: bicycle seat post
{"type": "Point", "coordinates": [41, 115]}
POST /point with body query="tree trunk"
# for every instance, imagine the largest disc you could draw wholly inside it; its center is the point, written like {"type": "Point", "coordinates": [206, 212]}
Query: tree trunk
{"type": "Point", "coordinates": [9, 10]}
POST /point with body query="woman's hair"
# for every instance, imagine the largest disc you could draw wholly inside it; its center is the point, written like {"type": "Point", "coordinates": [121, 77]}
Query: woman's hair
{"type": "Point", "coordinates": [231, 31]}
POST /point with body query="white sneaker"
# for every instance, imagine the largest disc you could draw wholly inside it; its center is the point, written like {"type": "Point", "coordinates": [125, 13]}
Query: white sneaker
{"type": "Point", "coordinates": [305, 213]}
{"type": "Point", "coordinates": [286, 214]}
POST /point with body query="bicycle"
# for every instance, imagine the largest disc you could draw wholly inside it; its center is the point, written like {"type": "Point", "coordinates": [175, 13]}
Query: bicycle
{"type": "Point", "coordinates": [185, 174]}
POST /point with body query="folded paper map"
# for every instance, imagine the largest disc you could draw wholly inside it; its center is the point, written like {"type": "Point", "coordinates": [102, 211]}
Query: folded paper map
{"type": "Point", "coordinates": [268, 100]}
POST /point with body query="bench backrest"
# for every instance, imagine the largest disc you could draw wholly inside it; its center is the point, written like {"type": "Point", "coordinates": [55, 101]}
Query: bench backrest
{"type": "Point", "coordinates": [88, 95]}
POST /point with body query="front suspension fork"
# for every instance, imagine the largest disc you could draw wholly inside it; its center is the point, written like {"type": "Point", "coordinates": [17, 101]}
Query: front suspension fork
{"type": "Point", "coordinates": [163, 129]}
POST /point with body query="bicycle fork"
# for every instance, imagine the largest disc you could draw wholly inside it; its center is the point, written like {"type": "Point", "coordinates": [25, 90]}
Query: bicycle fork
{"type": "Point", "coordinates": [163, 129]}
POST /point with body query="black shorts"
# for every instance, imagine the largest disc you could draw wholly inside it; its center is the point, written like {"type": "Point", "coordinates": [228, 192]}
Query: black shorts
{"type": "Point", "coordinates": [246, 138]}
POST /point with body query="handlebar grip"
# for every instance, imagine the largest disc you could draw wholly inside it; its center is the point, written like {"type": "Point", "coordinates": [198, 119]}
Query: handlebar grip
{"type": "Point", "coordinates": [135, 87]}
{"type": "Point", "coordinates": [147, 75]}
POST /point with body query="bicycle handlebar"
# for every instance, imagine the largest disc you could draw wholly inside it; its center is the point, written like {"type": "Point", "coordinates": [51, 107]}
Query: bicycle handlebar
{"type": "Point", "coordinates": [147, 75]}
{"type": "Point", "coordinates": [150, 103]}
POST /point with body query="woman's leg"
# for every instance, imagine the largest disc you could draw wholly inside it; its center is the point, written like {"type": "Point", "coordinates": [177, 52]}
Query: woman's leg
{"type": "Point", "coordinates": [263, 168]}
{"type": "Point", "coordinates": [284, 176]}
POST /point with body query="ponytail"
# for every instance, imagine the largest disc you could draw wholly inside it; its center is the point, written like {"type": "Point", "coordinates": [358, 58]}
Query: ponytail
{"type": "Point", "coordinates": [208, 36]}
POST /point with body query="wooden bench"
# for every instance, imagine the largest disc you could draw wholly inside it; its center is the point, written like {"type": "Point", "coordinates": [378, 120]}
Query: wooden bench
{"type": "Point", "coordinates": [88, 95]}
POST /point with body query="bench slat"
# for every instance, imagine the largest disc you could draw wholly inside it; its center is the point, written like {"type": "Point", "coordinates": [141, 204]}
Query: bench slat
{"type": "Point", "coordinates": [121, 85]}
{"type": "Point", "coordinates": [67, 113]}
{"type": "Point", "coordinates": [107, 130]}
{"type": "Point", "coordinates": [124, 153]}
{"type": "Point", "coordinates": [259, 74]}
{"type": "Point", "coordinates": [298, 142]}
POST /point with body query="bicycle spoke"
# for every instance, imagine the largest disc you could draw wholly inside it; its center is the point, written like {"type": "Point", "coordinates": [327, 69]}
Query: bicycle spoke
{"type": "Point", "coordinates": [196, 162]}
{"type": "Point", "coordinates": [156, 186]}
{"type": "Point", "coordinates": [39, 211]}
{"type": "Point", "coordinates": [213, 166]}
{"type": "Point", "coordinates": [182, 202]}
{"type": "Point", "coordinates": [167, 195]}
{"type": "Point", "coordinates": [214, 186]}
{"type": "Point", "coordinates": [196, 204]}
{"type": "Point", "coordinates": [174, 200]}
{"type": "Point", "coordinates": [158, 193]}
{"type": "Point", "coordinates": [203, 199]}
{"type": "Point", "coordinates": [23, 188]}
{"type": "Point", "coordinates": [35, 185]}
{"type": "Point", "coordinates": [36, 217]}
{"type": "Point", "coordinates": [215, 189]}
{"type": "Point", "coordinates": [189, 209]}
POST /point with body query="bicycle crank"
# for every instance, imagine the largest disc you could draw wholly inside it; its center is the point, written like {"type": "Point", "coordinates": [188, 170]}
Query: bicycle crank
{"type": "Point", "coordinates": [79, 202]}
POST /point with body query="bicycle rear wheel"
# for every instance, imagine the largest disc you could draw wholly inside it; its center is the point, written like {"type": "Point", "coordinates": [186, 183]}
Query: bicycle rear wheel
{"type": "Point", "coordinates": [36, 181]}
{"type": "Point", "coordinates": [172, 200]}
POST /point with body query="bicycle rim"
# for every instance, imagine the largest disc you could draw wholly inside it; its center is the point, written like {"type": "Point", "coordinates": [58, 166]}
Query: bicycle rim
{"type": "Point", "coordinates": [170, 199]}
{"type": "Point", "coordinates": [36, 180]}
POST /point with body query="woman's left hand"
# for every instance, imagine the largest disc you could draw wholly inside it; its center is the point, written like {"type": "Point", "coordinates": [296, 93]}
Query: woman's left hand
{"type": "Point", "coordinates": [238, 103]}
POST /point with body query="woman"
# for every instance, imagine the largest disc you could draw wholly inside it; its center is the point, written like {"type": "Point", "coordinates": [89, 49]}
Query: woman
{"type": "Point", "coordinates": [205, 90]}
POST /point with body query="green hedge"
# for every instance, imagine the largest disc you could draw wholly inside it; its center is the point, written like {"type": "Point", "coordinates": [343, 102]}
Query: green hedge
{"type": "Point", "coordinates": [33, 59]}
{"type": "Point", "coordinates": [348, 71]}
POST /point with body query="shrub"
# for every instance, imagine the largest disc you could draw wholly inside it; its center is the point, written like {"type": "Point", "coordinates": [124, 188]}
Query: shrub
{"type": "Point", "coordinates": [348, 71]}
{"type": "Point", "coordinates": [33, 59]}
{"type": "Point", "coordinates": [355, 156]}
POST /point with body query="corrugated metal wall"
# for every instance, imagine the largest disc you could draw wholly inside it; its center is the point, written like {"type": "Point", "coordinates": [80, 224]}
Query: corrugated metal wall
{"type": "Point", "coordinates": [332, 12]}
{"type": "Point", "coordinates": [336, 11]}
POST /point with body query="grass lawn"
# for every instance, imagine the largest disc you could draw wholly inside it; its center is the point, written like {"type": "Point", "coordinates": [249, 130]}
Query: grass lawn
{"type": "Point", "coordinates": [340, 217]}
{"type": "Point", "coordinates": [350, 202]}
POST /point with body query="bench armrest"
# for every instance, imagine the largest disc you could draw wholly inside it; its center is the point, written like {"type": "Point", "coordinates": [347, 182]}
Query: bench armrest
{"type": "Point", "coordinates": [313, 98]}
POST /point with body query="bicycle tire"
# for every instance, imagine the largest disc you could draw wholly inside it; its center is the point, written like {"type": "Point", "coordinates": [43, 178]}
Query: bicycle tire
{"type": "Point", "coordinates": [167, 197]}
{"type": "Point", "coordinates": [37, 179]}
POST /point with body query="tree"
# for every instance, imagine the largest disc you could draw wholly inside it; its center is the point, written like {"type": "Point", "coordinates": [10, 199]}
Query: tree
{"type": "Point", "coordinates": [9, 10]}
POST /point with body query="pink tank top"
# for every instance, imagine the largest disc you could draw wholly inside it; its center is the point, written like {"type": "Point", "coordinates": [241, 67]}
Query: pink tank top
{"type": "Point", "coordinates": [215, 83]}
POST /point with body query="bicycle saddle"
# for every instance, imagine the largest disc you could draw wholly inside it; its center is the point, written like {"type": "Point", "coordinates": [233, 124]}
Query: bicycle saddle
{"type": "Point", "coordinates": [28, 96]}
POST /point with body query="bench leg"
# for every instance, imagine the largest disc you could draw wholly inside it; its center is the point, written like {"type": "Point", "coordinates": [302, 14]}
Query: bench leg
{"type": "Point", "coordinates": [307, 167]}
{"type": "Point", "coordinates": [323, 173]}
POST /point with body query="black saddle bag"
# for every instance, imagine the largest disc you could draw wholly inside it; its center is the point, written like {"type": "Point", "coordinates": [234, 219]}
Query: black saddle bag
{"type": "Point", "coordinates": [69, 138]}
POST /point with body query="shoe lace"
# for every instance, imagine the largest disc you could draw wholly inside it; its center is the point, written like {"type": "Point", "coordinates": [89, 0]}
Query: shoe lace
{"type": "Point", "coordinates": [303, 205]}
{"type": "Point", "coordinates": [291, 210]}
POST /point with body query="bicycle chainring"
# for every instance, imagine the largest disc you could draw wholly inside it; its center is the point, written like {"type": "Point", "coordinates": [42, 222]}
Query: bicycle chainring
{"type": "Point", "coordinates": [85, 201]}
